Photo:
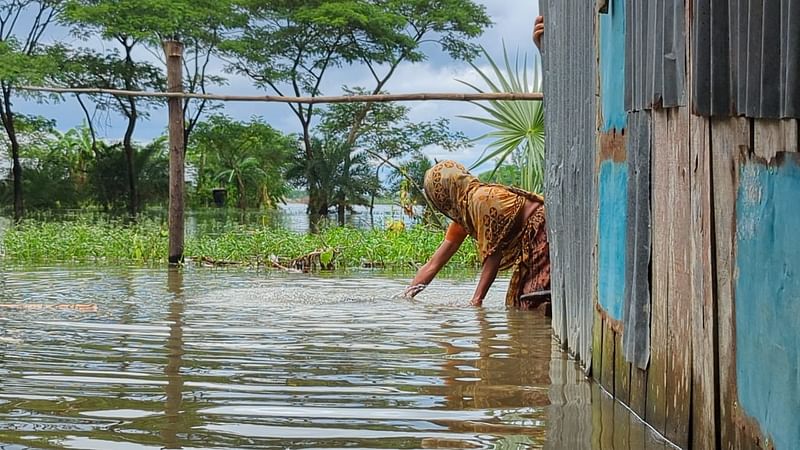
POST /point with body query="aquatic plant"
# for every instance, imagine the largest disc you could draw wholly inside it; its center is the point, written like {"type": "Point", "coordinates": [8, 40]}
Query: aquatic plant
{"type": "Point", "coordinates": [146, 243]}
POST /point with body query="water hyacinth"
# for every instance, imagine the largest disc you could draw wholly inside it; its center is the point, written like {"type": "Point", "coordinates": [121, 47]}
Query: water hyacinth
{"type": "Point", "coordinates": [146, 243]}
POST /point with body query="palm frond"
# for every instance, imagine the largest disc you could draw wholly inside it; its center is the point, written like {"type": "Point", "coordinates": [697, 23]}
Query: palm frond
{"type": "Point", "coordinates": [515, 125]}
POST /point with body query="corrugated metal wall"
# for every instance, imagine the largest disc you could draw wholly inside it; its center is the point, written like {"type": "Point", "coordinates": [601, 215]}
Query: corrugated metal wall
{"type": "Point", "coordinates": [655, 54]}
{"type": "Point", "coordinates": [570, 80]}
{"type": "Point", "coordinates": [636, 311]}
{"type": "Point", "coordinates": [745, 58]}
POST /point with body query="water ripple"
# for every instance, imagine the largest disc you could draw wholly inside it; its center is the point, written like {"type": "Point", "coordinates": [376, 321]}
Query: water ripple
{"type": "Point", "coordinates": [217, 359]}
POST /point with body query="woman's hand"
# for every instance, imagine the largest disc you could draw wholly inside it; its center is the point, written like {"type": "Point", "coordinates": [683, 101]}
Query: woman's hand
{"type": "Point", "coordinates": [538, 32]}
{"type": "Point", "coordinates": [413, 290]}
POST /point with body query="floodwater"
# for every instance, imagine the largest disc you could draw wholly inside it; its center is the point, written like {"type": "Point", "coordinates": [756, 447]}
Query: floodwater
{"type": "Point", "coordinates": [205, 358]}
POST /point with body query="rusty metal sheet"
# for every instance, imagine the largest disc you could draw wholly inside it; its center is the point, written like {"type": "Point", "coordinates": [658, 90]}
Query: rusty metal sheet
{"type": "Point", "coordinates": [746, 58]}
{"type": "Point", "coordinates": [655, 54]}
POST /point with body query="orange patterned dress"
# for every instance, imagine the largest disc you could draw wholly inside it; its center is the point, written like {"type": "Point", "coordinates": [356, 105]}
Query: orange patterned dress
{"type": "Point", "coordinates": [490, 214]}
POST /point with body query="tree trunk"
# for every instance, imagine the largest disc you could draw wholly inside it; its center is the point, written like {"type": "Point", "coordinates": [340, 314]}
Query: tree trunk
{"type": "Point", "coordinates": [242, 193]}
{"type": "Point", "coordinates": [340, 212]}
{"type": "Point", "coordinates": [127, 143]}
{"type": "Point", "coordinates": [372, 196]}
{"type": "Point", "coordinates": [345, 182]}
{"type": "Point", "coordinates": [317, 198]}
{"type": "Point", "coordinates": [16, 169]}
{"type": "Point", "coordinates": [317, 203]}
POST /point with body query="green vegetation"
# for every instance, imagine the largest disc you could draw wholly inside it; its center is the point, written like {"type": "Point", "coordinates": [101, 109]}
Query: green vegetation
{"type": "Point", "coordinates": [518, 126]}
{"type": "Point", "coordinates": [249, 159]}
{"type": "Point", "coordinates": [385, 134]}
{"type": "Point", "coordinates": [117, 44]}
{"type": "Point", "coordinates": [340, 156]}
{"type": "Point", "coordinates": [146, 243]}
{"type": "Point", "coordinates": [292, 49]}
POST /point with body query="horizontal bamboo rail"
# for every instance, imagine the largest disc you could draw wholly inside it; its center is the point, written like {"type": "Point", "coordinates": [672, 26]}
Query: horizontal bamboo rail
{"type": "Point", "coordinates": [381, 98]}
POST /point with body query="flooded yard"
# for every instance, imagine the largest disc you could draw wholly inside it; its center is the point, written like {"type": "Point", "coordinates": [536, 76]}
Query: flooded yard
{"type": "Point", "coordinates": [239, 359]}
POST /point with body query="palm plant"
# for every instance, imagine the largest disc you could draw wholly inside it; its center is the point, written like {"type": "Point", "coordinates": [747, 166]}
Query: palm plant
{"type": "Point", "coordinates": [242, 171]}
{"type": "Point", "coordinates": [516, 124]}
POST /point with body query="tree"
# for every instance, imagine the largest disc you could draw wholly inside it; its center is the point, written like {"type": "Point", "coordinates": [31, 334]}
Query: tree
{"type": "Point", "coordinates": [291, 48]}
{"type": "Point", "coordinates": [48, 180]}
{"type": "Point", "coordinates": [384, 134]}
{"type": "Point", "coordinates": [108, 179]}
{"type": "Point", "coordinates": [250, 158]}
{"type": "Point", "coordinates": [144, 25]}
{"type": "Point", "coordinates": [23, 60]}
{"type": "Point", "coordinates": [407, 180]}
{"type": "Point", "coordinates": [130, 25]}
{"type": "Point", "coordinates": [506, 174]}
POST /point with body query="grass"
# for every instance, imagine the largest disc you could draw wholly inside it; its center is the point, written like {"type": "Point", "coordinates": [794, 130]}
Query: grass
{"type": "Point", "coordinates": [146, 243]}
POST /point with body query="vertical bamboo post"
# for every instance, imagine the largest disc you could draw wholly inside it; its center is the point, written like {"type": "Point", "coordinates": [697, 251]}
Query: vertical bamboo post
{"type": "Point", "coordinates": [173, 51]}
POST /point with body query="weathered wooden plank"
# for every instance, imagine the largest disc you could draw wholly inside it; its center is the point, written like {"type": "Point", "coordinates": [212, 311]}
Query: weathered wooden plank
{"type": "Point", "coordinates": [773, 136]}
{"type": "Point", "coordinates": [703, 301]}
{"type": "Point", "coordinates": [622, 373]}
{"type": "Point", "coordinates": [656, 410]}
{"type": "Point", "coordinates": [791, 135]}
{"type": "Point", "coordinates": [797, 135]}
{"type": "Point", "coordinates": [607, 371]}
{"type": "Point", "coordinates": [730, 137]}
{"type": "Point", "coordinates": [766, 300]}
{"type": "Point", "coordinates": [638, 396]}
{"type": "Point", "coordinates": [679, 334]}
{"type": "Point", "coordinates": [597, 346]}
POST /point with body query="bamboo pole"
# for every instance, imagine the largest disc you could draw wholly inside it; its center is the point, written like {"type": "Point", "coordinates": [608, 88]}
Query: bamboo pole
{"type": "Point", "coordinates": [381, 98]}
{"type": "Point", "coordinates": [173, 51]}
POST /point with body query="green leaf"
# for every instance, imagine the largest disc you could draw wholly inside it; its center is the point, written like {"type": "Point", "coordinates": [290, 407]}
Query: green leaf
{"type": "Point", "coordinates": [517, 126]}
{"type": "Point", "coordinates": [326, 257]}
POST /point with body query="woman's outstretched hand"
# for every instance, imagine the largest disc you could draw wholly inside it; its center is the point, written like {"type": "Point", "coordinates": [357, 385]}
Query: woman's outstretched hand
{"type": "Point", "coordinates": [413, 290]}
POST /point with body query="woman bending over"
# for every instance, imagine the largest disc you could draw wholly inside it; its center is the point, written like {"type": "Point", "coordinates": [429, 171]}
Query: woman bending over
{"type": "Point", "coordinates": [508, 225]}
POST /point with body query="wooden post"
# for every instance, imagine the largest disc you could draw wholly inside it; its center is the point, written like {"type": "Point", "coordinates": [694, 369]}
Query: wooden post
{"type": "Point", "coordinates": [173, 51]}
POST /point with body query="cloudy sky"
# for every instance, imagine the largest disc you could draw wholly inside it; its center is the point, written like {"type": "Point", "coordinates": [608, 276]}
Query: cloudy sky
{"type": "Point", "coordinates": [513, 20]}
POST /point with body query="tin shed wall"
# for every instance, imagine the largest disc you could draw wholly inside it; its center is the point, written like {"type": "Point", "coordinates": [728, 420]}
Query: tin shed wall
{"type": "Point", "coordinates": [570, 68]}
{"type": "Point", "coordinates": [655, 55]}
{"type": "Point", "coordinates": [746, 59]}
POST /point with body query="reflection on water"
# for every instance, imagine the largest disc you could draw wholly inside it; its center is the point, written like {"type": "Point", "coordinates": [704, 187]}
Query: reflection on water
{"type": "Point", "coordinates": [217, 359]}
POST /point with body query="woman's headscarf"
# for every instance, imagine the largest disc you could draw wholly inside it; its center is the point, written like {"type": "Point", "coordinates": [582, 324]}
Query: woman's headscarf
{"type": "Point", "coordinates": [447, 185]}
{"type": "Point", "coordinates": [486, 211]}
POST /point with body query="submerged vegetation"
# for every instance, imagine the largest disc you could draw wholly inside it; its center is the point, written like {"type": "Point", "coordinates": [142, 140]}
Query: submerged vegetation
{"type": "Point", "coordinates": [109, 242]}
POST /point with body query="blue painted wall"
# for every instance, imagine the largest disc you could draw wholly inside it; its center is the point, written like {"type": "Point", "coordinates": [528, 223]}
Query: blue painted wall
{"type": "Point", "coordinates": [612, 66]}
{"type": "Point", "coordinates": [768, 298]}
{"type": "Point", "coordinates": [613, 194]}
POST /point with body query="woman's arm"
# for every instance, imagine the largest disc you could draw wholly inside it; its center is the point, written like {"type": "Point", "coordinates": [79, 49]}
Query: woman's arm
{"type": "Point", "coordinates": [453, 240]}
{"type": "Point", "coordinates": [491, 266]}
